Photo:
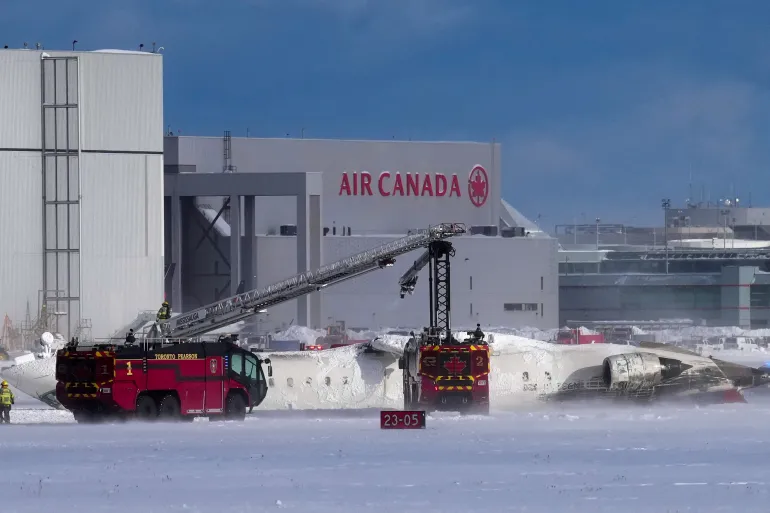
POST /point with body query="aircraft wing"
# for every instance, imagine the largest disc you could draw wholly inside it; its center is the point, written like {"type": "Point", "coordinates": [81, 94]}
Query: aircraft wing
{"type": "Point", "coordinates": [667, 347]}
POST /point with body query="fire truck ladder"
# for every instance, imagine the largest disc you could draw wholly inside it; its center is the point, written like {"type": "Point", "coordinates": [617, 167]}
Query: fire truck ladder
{"type": "Point", "coordinates": [236, 308]}
{"type": "Point", "coordinates": [437, 258]}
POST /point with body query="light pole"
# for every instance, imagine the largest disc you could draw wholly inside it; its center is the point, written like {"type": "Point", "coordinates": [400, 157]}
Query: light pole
{"type": "Point", "coordinates": [666, 204]}
{"type": "Point", "coordinates": [597, 232]}
{"type": "Point", "coordinates": [724, 213]}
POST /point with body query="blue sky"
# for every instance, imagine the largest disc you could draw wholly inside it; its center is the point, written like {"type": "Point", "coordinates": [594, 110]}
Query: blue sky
{"type": "Point", "coordinates": [602, 107]}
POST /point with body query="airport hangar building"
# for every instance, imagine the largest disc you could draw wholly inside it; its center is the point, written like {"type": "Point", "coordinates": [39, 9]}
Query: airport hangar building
{"type": "Point", "coordinates": [81, 178]}
{"type": "Point", "coordinates": [82, 161]}
{"type": "Point", "coordinates": [303, 203]}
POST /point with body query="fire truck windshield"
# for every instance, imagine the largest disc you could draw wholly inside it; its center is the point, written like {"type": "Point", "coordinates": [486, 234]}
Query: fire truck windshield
{"type": "Point", "coordinates": [246, 367]}
{"type": "Point", "coordinates": [251, 369]}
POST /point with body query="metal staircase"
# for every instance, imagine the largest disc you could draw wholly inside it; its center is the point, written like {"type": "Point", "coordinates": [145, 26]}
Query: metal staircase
{"type": "Point", "coordinates": [236, 308]}
{"type": "Point", "coordinates": [142, 319]}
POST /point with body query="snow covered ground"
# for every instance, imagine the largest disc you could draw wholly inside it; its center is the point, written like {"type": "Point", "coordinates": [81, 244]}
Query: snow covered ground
{"type": "Point", "coordinates": [554, 458]}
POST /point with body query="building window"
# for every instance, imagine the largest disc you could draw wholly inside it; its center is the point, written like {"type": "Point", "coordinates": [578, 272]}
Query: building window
{"type": "Point", "coordinates": [520, 307]}
{"type": "Point", "coordinates": [579, 268]}
{"type": "Point", "coordinates": [760, 296]}
{"type": "Point", "coordinates": [541, 283]}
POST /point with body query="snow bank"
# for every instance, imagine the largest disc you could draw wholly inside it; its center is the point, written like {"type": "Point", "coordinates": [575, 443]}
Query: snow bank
{"type": "Point", "coordinates": [301, 333]}
{"type": "Point", "coordinates": [26, 357]}
{"type": "Point", "coordinates": [391, 343]}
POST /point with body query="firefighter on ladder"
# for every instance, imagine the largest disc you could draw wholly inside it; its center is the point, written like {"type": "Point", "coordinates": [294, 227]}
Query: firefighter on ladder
{"type": "Point", "coordinates": [6, 401]}
{"type": "Point", "coordinates": [164, 314]}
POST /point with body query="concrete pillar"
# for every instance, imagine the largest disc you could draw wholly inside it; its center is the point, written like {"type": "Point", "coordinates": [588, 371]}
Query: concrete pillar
{"type": "Point", "coordinates": [235, 243]}
{"type": "Point", "coordinates": [316, 235]}
{"type": "Point", "coordinates": [309, 255]}
{"type": "Point", "coordinates": [736, 295]}
{"type": "Point", "coordinates": [248, 251]}
{"type": "Point", "coordinates": [176, 253]}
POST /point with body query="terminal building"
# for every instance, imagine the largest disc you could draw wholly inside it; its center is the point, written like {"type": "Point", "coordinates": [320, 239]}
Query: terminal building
{"type": "Point", "coordinates": [710, 263]}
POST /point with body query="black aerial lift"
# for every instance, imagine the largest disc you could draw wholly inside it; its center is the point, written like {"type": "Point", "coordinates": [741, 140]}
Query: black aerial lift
{"type": "Point", "coordinates": [441, 372]}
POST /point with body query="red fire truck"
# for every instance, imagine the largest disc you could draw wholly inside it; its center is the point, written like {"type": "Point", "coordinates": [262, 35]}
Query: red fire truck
{"type": "Point", "coordinates": [575, 336]}
{"type": "Point", "coordinates": [446, 375]}
{"type": "Point", "coordinates": [439, 371]}
{"type": "Point", "coordinates": [160, 381]}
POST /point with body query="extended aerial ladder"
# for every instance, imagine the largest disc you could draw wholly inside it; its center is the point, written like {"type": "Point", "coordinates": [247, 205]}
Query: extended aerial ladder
{"type": "Point", "coordinates": [242, 306]}
{"type": "Point", "coordinates": [437, 258]}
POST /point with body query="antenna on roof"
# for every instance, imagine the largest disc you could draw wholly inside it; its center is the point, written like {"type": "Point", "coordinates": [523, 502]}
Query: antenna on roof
{"type": "Point", "coordinates": [74, 42]}
{"type": "Point", "coordinates": [141, 46]}
{"type": "Point", "coordinates": [26, 46]}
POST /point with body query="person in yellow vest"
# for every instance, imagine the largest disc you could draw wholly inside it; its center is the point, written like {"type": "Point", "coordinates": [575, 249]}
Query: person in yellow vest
{"type": "Point", "coordinates": [6, 400]}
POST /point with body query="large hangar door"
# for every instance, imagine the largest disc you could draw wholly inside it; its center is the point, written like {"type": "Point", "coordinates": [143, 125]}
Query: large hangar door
{"type": "Point", "coordinates": [60, 119]}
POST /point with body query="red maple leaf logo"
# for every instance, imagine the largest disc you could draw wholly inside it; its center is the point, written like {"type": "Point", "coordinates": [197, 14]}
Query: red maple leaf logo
{"type": "Point", "coordinates": [478, 183]}
{"type": "Point", "coordinates": [454, 365]}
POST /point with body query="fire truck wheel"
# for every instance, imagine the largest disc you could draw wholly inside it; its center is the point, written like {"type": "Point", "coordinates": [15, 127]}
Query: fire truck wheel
{"type": "Point", "coordinates": [236, 407]}
{"type": "Point", "coordinates": [169, 408]}
{"type": "Point", "coordinates": [146, 409]}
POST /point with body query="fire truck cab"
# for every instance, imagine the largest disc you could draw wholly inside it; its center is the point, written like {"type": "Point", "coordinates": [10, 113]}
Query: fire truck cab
{"type": "Point", "coordinates": [167, 381]}
{"type": "Point", "coordinates": [441, 374]}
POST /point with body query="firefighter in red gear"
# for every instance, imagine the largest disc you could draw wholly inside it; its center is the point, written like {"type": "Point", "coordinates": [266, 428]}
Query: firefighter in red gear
{"type": "Point", "coordinates": [6, 401]}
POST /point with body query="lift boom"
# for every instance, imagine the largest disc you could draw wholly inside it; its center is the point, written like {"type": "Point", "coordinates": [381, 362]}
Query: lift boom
{"type": "Point", "coordinates": [437, 258]}
{"type": "Point", "coordinates": [239, 307]}
{"type": "Point", "coordinates": [441, 372]}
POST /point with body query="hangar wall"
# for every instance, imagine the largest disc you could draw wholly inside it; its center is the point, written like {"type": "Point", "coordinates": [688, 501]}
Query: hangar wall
{"type": "Point", "coordinates": [495, 281]}
{"type": "Point", "coordinates": [386, 163]}
{"type": "Point", "coordinates": [84, 132]}
{"type": "Point", "coordinates": [376, 191]}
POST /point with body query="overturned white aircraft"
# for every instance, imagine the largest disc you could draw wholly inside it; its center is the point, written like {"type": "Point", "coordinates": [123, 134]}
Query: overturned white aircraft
{"type": "Point", "coordinates": [523, 371]}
